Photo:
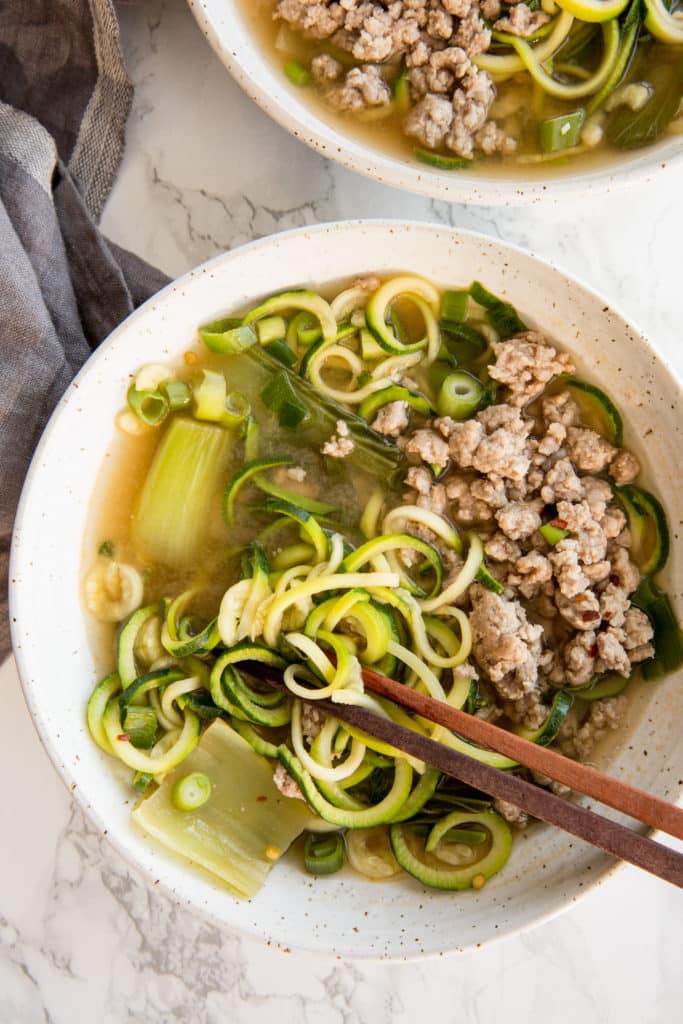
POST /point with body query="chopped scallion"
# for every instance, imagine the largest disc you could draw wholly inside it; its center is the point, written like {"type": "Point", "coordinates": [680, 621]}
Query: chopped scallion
{"type": "Point", "coordinates": [562, 132]}
{"type": "Point", "coordinates": [210, 397]}
{"type": "Point", "coordinates": [323, 854]}
{"type": "Point", "coordinates": [298, 73]}
{"type": "Point", "coordinates": [178, 394]}
{"type": "Point", "coordinates": [191, 791]}
{"type": "Point", "coordinates": [459, 396]}
{"type": "Point", "coordinates": [149, 406]}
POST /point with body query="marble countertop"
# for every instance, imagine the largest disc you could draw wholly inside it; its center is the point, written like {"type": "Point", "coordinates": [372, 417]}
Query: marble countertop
{"type": "Point", "coordinates": [82, 937]}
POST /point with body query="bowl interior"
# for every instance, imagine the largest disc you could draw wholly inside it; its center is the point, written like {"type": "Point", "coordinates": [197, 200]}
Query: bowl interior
{"type": "Point", "coordinates": [344, 915]}
{"type": "Point", "coordinates": [226, 28]}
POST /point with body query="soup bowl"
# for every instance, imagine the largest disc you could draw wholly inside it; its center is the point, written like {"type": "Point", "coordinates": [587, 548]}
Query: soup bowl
{"type": "Point", "coordinates": [228, 31]}
{"type": "Point", "coordinates": [59, 660]}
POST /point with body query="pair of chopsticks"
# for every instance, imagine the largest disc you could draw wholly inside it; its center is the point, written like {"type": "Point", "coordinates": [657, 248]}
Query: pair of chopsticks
{"type": "Point", "coordinates": [609, 836]}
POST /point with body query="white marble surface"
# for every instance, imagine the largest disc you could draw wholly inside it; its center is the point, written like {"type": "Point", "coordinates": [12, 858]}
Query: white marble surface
{"type": "Point", "coordinates": [82, 938]}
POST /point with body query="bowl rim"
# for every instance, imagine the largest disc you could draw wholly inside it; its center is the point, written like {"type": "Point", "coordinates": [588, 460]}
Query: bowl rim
{"type": "Point", "coordinates": [20, 553]}
{"type": "Point", "coordinates": [381, 167]}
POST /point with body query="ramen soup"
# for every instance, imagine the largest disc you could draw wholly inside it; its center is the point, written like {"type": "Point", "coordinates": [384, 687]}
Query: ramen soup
{"type": "Point", "coordinates": [461, 83]}
{"type": "Point", "coordinates": [396, 476]}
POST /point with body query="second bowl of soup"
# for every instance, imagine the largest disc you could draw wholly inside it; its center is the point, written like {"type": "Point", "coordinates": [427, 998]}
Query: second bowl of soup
{"type": "Point", "coordinates": [471, 101]}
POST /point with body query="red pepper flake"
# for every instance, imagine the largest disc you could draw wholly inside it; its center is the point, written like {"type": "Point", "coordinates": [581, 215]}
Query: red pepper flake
{"type": "Point", "coordinates": [590, 616]}
{"type": "Point", "coordinates": [593, 650]}
{"type": "Point", "coordinates": [561, 524]}
{"type": "Point", "coordinates": [123, 736]}
{"type": "Point", "coordinates": [615, 580]}
{"type": "Point", "coordinates": [261, 799]}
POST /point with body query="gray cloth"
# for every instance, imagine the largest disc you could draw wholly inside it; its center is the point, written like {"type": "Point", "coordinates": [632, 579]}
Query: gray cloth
{"type": "Point", "coordinates": [64, 100]}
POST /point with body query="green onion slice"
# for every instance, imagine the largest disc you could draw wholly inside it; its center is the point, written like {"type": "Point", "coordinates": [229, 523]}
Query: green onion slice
{"type": "Point", "coordinates": [191, 791]}
{"type": "Point", "coordinates": [323, 853]}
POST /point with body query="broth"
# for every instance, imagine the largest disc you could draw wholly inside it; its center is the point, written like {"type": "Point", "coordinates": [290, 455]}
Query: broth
{"type": "Point", "coordinates": [519, 107]}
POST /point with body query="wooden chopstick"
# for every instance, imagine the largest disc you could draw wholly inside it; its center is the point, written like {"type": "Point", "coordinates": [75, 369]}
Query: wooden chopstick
{"type": "Point", "coordinates": [651, 810]}
{"type": "Point", "coordinates": [609, 836]}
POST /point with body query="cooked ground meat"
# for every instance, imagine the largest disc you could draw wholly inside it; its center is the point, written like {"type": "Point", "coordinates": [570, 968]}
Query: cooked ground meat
{"type": "Point", "coordinates": [525, 364]}
{"type": "Point", "coordinates": [577, 740]}
{"type": "Point", "coordinates": [362, 87]}
{"type": "Point", "coordinates": [505, 644]}
{"type": "Point", "coordinates": [513, 815]}
{"type": "Point", "coordinates": [392, 419]}
{"type": "Point", "coordinates": [522, 21]}
{"type": "Point", "coordinates": [340, 444]}
{"type": "Point", "coordinates": [429, 447]}
{"type": "Point", "coordinates": [436, 39]}
{"type": "Point", "coordinates": [286, 784]}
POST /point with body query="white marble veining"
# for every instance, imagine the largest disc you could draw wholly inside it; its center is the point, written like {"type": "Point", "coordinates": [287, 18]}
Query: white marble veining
{"type": "Point", "coordinates": [83, 938]}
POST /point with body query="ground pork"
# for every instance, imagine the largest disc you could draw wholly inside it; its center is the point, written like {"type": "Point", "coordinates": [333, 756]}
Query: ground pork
{"type": "Point", "coordinates": [528, 710]}
{"type": "Point", "coordinates": [429, 446]}
{"type": "Point", "coordinates": [567, 569]}
{"type": "Point", "coordinates": [614, 603]}
{"type": "Point", "coordinates": [286, 784]}
{"type": "Point", "coordinates": [624, 468]}
{"type": "Point", "coordinates": [430, 120]}
{"type": "Point", "coordinates": [531, 572]}
{"type": "Point", "coordinates": [560, 408]}
{"type": "Point", "coordinates": [495, 442]}
{"type": "Point", "coordinates": [581, 612]}
{"type": "Point", "coordinates": [326, 69]}
{"type": "Point", "coordinates": [362, 87]}
{"type": "Point", "coordinates": [519, 519]}
{"type": "Point", "coordinates": [312, 721]}
{"type": "Point", "coordinates": [436, 39]}
{"type": "Point", "coordinates": [577, 740]}
{"type": "Point", "coordinates": [613, 522]}
{"type": "Point", "coordinates": [598, 494]}
{"type": "Point", "coordinates": [521, 21]}
{"type": "Point", "coordinates": [552, 440]}
{"type": "Point", "coordinates": [624, 573]}
{"type": "Point", "coordinates": [513, 815]}
{"type": "Point", "coordinates": [340, 445]}
{"type": "Point", "coordinates": [392, 419]}
{"type": "Point", "coordinates": [578, 659]}
{"type": "Point", "coordinates": [505, 644]}
{"type": "Point", "coordinates": [562, 483]}
{"type": "Point", "coordinates": [588, 450]}
{"type": "Point", "coordinates": [612, 655]}
{"type": "Point", "coordinates": [501, 549]}
{"type": "Point", "coordinates": [464, 507]}
{"type": "Point", "coordinates": [525, 364]}
{"type": "Point", "coordinates": [638, 633]}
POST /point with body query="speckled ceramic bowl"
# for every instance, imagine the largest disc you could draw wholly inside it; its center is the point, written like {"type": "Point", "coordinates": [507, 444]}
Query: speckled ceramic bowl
{"type": "Point", "coordinates": [226, 28]}
{"type": "Point", "coordinates": [344, 915]}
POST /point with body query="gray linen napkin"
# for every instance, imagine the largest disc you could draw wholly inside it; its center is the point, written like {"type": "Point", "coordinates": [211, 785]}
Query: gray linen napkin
{"type": "Point", "coordinates": [64, 100]}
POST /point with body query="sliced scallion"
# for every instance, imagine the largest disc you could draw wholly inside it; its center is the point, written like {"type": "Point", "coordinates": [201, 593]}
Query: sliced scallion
{"type": "Point", "coordinates": [191, 791]}
{"type": "Point", "coordinates": [149, 406]}
{"type": "Point", "coordinates": [562, 132]}
{"type": "Point", "coordinates": [178, 394]}
{"type": "Point", "coordinates": [454, 305]}
{"type": "Point", "coordinates": [210, 397]}
{"type": "Point", "coordinates": [323, 853]}
{"type": "Point", "coordinates": [553, 534]}
{"type": "Point", "coordinates": [297, 72]}
{"type": "Point", "coordinates": [459, 396]}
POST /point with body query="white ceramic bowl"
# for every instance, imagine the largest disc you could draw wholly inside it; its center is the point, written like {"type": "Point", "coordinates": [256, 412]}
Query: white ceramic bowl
{"type": "Point", "coordinates": [345, 915]}
{"type": "Point", "coordinates": [226, 28]}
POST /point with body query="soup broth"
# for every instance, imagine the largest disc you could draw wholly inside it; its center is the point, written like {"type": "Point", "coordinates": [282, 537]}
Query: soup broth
{"type": "Point", "coordinates": [582, 138]}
